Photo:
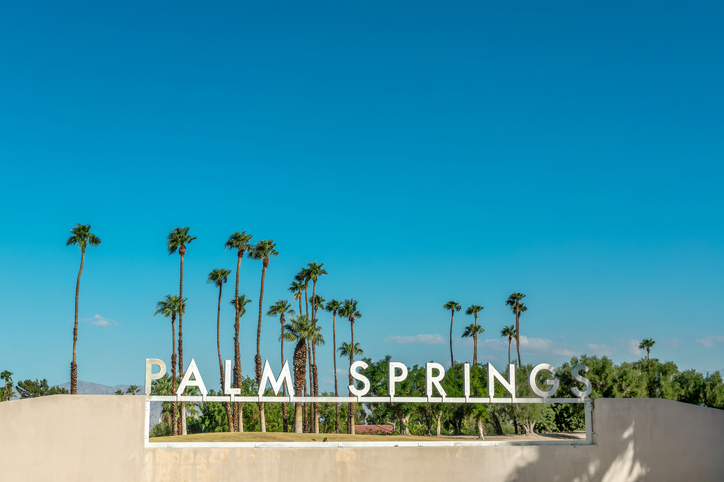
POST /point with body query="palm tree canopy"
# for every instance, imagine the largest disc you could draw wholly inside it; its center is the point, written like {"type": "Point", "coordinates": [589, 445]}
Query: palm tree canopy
{"type": "Point", "coordinates": [178, 238]}
{"type": "Point", "coordinates": [452, 306]}
{"type": "Point", "coordinates": [218, 277]}
{"type": "Point", "coordinates": [646, 343]}
{"type": "Point", "coordinates": [344, 350]}
{"type": "Point", "coordinates": [281, 307]}
{"type": "Point", "coordinates": [472, 330]}
{"type": "Point", "coordinates": [303, 276]}
{"type": "Point", "coordinates": [315, 270]}
{"type": "Point", "coordinates": [299, 328]}
{"type": "Point", "coordinates": [349, 310]}
{"type": "Point", "coordinates": [169, 306]}
{"type": "Point", "coordinates": [333, 306]}
{"type": "Point", "coordinates": [82, 236]}
{"type": "Point", "coordinates": [513, 298]}
{"type": "Point", "coordinates": [264, 249]}
{"type": "Point", "coordinates": [239, 241]}
{"type": "Point", "coordinates": [508, 331]}
{"type": "Point", "coordinates": [242, 304]}
{"type": "Point", "coordinates": [318, 301]}
{"type": "Point", "coordinates": [473, 309]}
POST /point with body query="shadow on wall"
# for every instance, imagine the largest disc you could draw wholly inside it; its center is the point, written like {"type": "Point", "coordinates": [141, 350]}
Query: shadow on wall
{"type": "Point", "coordinates": [623, 465]}
{"type": "Point", "coordinates": [639, 440]}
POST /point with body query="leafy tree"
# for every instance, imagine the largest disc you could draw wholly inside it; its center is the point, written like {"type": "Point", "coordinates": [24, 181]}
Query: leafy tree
{"type": "Point", "coordinates": [7, 391]}
{"type": "Point", "coordinates": [714, 391]}
{"type": "Point", "coordinates": [81, 236]}
{"type": "Point", "coordinates": [281, 308]}
{"type": "Point", "coordinates": [31, 389]}
{"type": "Point", "coordinates": [219, 277]}
{"type": "Point", "coordinates": [690, 387]}
{"type": "Point", "coordinates": [453, 307]}
{"type": "Point", "coordinates": [263, 250]}
{"type": "Point", "coordinates": [241, 242]}
{"type": "Point", "coordinates": [659, 378]}
{"type": "Point", "coordinates": [647, 344]}
{"type": "Point", "coordinates": [333, 307]}
{"type": "Point", "coordinates": [508, 331]}
{"type": "Point", "coordinates": [517, 308]}
{"type": "Point", "coordinates": [177, 241]}
{"type": "Point", "coordinates": [349, 311]}
{"type": "Point", "coordinates": [298, 331]}
{"type": "Point", "coordinates": [474, 310]}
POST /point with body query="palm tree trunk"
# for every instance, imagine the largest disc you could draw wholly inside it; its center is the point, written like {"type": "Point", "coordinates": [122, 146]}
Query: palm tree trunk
{"type": "Point", "coordinates": [517, 333]}
{"type": "Point", "coordinates": [73, 365]}
{"type": "Point", "coordinates": [315, 379]}
{"type": "Point", "coordinates": [510, 340]}
{"type": "Point", "coordinates": [452, 360]}
{"type": "Point", "coordinates": [334, 357]}
{"type": "Point", "coordinates": [285, 426]}
{"type": "Point", "coordinates": [238, 408]}
{"type": "Point", "coordinates": [182, 251]}
{"type": "Point", "coordinates": [475, 349]}
{"type": "Point", "coordinates": [227, 405]}
{"type": "Point", "coordinates": [174, 406]}
{"type": "Point", "coordinates": [300, 354]}
{"type": "Point", "coordinates": [257, 359]}
{"type": "Point", "coordinates": [350, 414]}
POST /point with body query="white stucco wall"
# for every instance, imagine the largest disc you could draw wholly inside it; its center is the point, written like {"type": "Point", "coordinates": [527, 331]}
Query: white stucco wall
{"type": "Point", "coordinates": [90, 438]}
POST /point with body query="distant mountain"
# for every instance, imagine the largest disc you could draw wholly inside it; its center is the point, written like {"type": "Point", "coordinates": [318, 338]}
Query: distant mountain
{"type": "Point", "coordinates": [88, 388]}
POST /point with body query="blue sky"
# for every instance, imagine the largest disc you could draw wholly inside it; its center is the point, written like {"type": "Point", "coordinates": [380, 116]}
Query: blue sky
{"type": "Point", "coordinates": [423, 152]}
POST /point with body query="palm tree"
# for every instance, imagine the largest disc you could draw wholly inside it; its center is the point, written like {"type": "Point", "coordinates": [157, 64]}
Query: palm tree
{"type": "Point", "coordinates": [344, 350]}
{"type": "Point", "coordinates": [177, 240]}
{"type": "Point", "coordinates": [7, 376]}
{"type": "Point", "coordinates": [333, 307]}
{"type": "Point", "coordinates": [317, 301]}
{"type": "Point", "coordinates": [517, 308]}
{"type": "Point", "coordinates": [219, 277]}
{"type": "Point", "coordinates": [453, 307]}
{"type": "Point", "coordinates": [297, 287]}
{"type": "Point", "coordinates": [349, 311]}
{"type": "Point", "coordinates": [473, 330]}
{"type": "Point", "coordinates": [647, 343]}
{"type": "Point", "coordinates": [299, 330]}
{"type": "Point", "coordinates": [241, 242]}
{"type": "Point", "coordinates": [169, 307]}
{"type": "Point", "coordinates": [474, 310]}
{"type": "Point", "coordinates": [261, 251]}
{"type": "Point", "coordinates": [281, 308]}
{"type": "Point", "coordinates": [508, 331]}
{"type": "Point", "coordinates": [81, 236]}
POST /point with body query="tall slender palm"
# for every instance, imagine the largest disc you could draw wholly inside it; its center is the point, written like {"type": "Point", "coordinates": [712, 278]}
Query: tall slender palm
{"type": "Point", "coordinates": [517, 308]}
{"type": "Point", "coordinates": [333, 307]}
{"type": "Point", "coordinates": [317, 301]}
{"type": "Point", "coordinates": [297, 288]}
{"type": "Point", "coordinates": [241, 242]}
{"type": "Point", "coordinates": [349, 311]}
{"type": "Point", "coordinates": [263, 250]}
{"type": "Point", "coordinates": [299, 330]}
{"type": "Point", "coordinates": [239, 303]}
{"type": "Point", "coordinates": [473, 330]}
{"type": "Point", "coordinates": [281, 308]}
{"type": "Point", "coordinates": [474, 310]}
{"type": "Point", "coordinates": [177, 240]}
{"type": "Point", "coordinates": [647, 343]}
{"type": "Point", "coordinates": [508, 331]}
{"type": "Point", "coordinates": [344, 350]}
{"type": "Point", "coordinates": [219, 277]}
{"type": "Point", "coordinates": [81, 236]}
{"type": "Point", "coordinates": [170, 307]}
{"type": "Point", "coordinates": [453, 307]}
{"type": "Point", "coordinates": [303, 277]}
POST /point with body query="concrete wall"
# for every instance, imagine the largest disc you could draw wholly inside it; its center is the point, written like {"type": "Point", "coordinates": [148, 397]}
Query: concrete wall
{"type": "Point", "coordinates": [89, 438]}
